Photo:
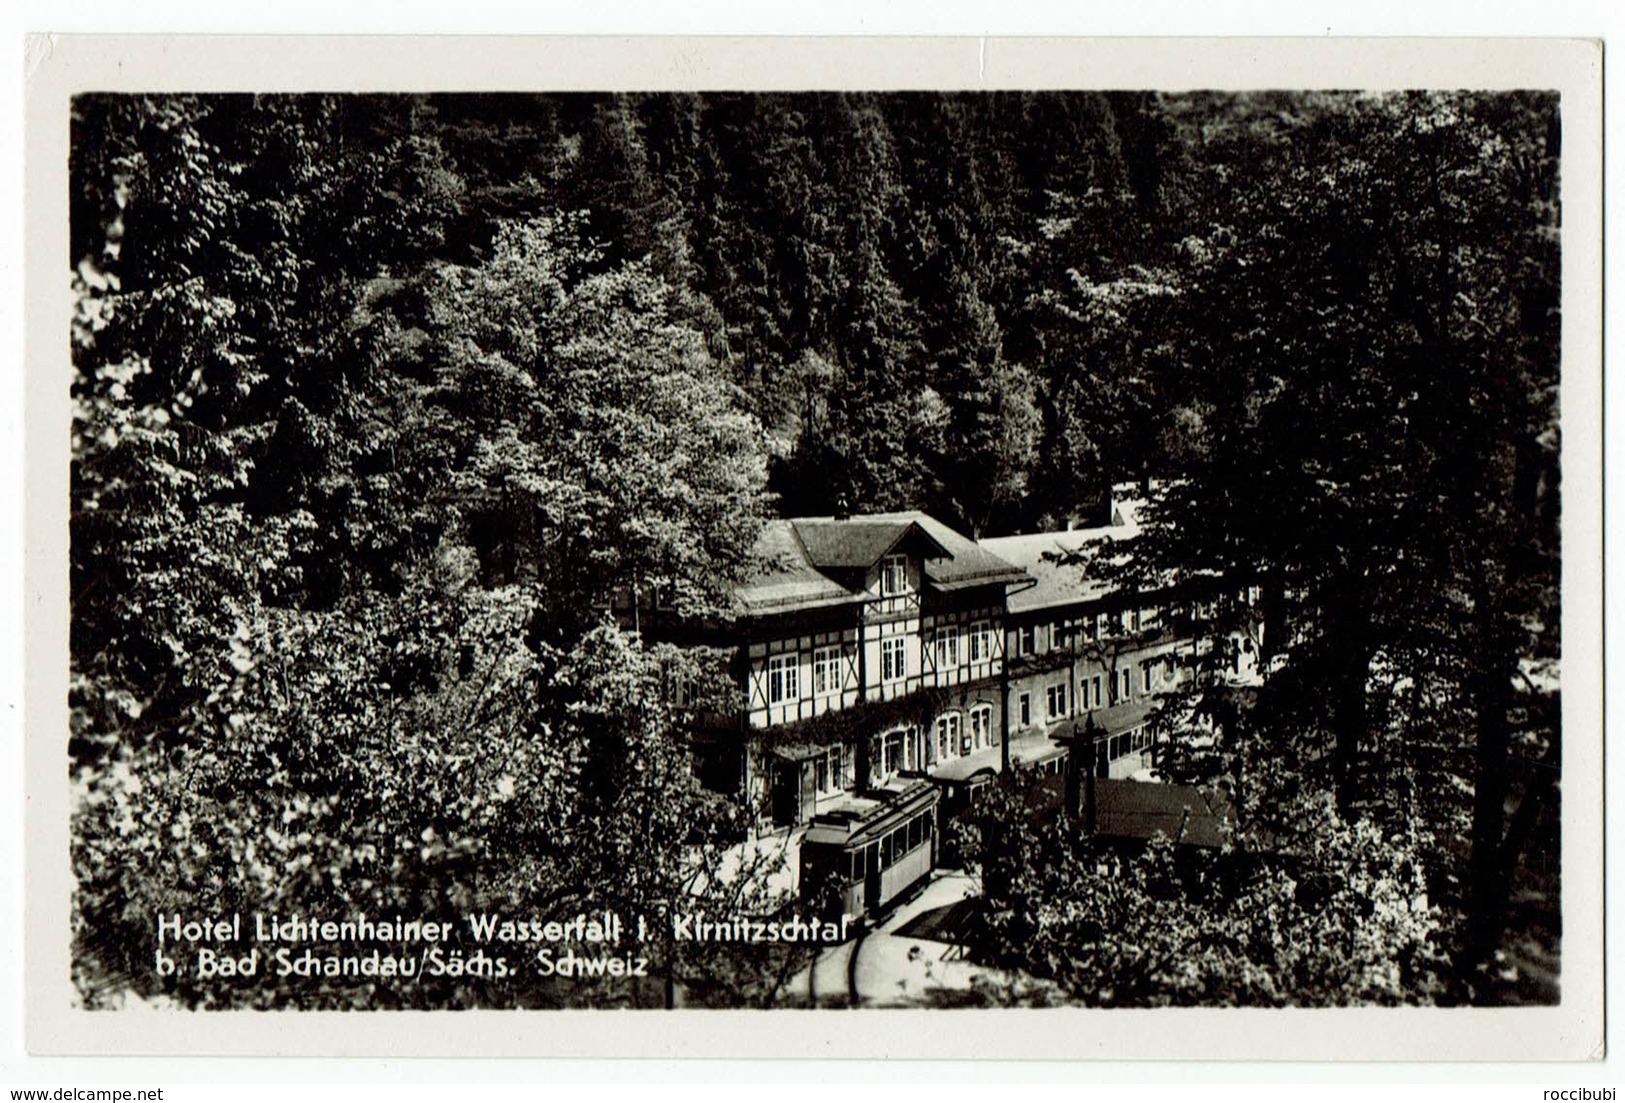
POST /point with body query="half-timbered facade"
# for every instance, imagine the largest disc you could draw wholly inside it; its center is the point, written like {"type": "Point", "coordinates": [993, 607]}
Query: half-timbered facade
{"type": "Point", "coordinates": [880, 649]}
{"type": "Point", "coordinates": [1083, 648]}
{"type": "Point", "coordinates": [871, 648]}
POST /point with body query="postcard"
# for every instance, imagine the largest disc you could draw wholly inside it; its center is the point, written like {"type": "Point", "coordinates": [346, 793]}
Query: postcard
{"type": "Point", "coordinates": [815, 547]}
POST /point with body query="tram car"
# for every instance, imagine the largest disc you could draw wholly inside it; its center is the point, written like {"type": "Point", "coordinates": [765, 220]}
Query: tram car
{"type": "Point", "coordinates": [863, 856]}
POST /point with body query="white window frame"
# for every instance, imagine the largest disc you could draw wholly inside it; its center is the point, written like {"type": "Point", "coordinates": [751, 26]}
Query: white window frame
{"type": "Point", "coordinates": [830, 763]}
{"type": "Point", "coordinates": [981, 726]}
{"type": "Point", "coordinates": [826, 671]}
{"type": "Point", "coordinates": [981, 642]}
{"type": "Point", "coordinates": [1055, 701]}
{"type": "Point", "coordinates": [888, 765]}
{"type": "Point", "coordinates": [947, 647]}
{"type": "Point", "coordinates": [1128, 682]}
{"type": "Point", "coordinates": [783, 678]}
{"type": "Point", "coordinates": [893, 659]}
{"type": "Point", "coordinates": [949, 733]}
{"type": "Point", "coordinates": [1026, 640]}
{"type": "Point", "coordinates": [894, 576]}
{"type": "Point", "coordinates": [1024, 708]}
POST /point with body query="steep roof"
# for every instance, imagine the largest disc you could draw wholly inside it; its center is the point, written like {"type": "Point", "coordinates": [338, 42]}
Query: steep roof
{"type": "Point", "coordinates": [967, 563]}
{"type": "Point", "coordinates": [860, 542]}
{"type": "Point", "coordinates": [787, 577]}
{"type": "Point", "coordinates": [797, 557]}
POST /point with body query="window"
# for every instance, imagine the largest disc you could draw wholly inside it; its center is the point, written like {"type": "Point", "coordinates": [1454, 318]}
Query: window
{"type": "Point", "coordinates": [981, 642]}
{"type": "Point", "coordinates": [1099, 699]}
{"type": "Point", "coordinates": [1055, 701]}
{"type": "Point", "coordinates": [1101, 626]}
{"type": "Point", "coordinates": [893, 659]}
{"type": "Point", "coordinates": [1054, 635]}
{"type": "Point", "coordinates": [948, 735]}
{"type": "Point", "coordinates": [893, 575]}
{"type": "Point", "coordinates": [981, 727]}
{"type": "Point", "coordinates": [783, 679]}
{"type": "Point", "coordinates": [826, 672]}
{"type": "Point", "coordinates": [1025, 642]}
{"type": "Point", "coordinates": [1139, 619]}
{"type": "Point", "coordinates": [1128, 683]}
{"type": "Point", "coordinates": [1024, 709]}
{"type": "Point", "coordinates": [894, 748]}
{"type": "Point", "coordinates": [827, 772]}
{"type": "Point", "coordinates": [947, 648]}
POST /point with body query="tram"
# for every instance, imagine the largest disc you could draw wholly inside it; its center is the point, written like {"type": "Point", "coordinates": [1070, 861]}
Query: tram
{"type": "Point", "coordinates": [860, 858]}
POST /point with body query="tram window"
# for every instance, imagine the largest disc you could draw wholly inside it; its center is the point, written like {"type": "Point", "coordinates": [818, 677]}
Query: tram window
{"type": "Point", "coordinates": [913, 834]}
{"type": "Point", "coordinates": [858, 869]}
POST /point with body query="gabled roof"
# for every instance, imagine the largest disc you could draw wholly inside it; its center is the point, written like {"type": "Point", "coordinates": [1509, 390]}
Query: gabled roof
{"type": "Point", "coordinates": [861, 542]}
{"type": "Point", "coordinates": [804, 560]}
{"type": "Point", "coordinates": [786, 576]}
{"type": "Point", "coordinates": [967, 563]}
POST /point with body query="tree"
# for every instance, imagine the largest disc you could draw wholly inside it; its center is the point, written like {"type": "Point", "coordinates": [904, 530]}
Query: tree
{"type": "Point", "coordinates": [1379, 457]}
{"type": "Point", "coordinates": [345, 531]}
{"type": "Point", "coordinates": [1334, 916]}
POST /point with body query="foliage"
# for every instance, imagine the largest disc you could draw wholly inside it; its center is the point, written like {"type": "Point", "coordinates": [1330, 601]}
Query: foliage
{"type": "Point", "coordinates": [342, 555]}
{"type": "Point", "coordinates": [380, 402]}
{"type": "Point", "coordinates": [1340, 917]}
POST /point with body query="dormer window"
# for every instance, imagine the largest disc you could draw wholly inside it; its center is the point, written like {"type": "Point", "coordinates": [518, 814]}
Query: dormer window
{"type": "Point", "coordinates": [893, 575]}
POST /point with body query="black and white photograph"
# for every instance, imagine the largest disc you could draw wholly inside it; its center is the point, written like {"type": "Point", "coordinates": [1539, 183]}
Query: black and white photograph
{"type": "Point", "coordinates": [893, 550]}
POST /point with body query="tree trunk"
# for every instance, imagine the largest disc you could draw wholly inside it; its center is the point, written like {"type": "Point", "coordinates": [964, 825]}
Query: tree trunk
{"type": "Point", "coordinates": [1349, 667]}
{"type": "Point", "coordinates": [1487, 884]}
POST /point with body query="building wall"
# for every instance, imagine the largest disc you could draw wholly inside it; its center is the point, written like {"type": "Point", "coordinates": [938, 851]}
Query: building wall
{"type": "Point", "coordinates": [1065, 661]}
{"type": "Point", "coordinates": [954, 642]}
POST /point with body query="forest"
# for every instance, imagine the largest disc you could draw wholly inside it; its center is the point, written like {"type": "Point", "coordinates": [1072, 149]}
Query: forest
{"type": "Point", "coordinates": [378, 398]}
